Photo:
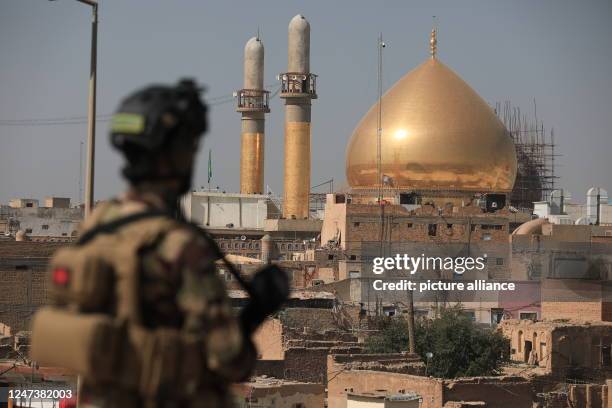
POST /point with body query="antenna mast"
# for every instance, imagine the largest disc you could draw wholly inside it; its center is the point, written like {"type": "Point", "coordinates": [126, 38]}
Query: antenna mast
{"type": "Point", "coordinates": [381, 45]}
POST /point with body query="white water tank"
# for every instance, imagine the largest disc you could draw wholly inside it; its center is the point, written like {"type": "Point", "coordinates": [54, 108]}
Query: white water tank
{"type": "Point", "coordinates": [596, 196]}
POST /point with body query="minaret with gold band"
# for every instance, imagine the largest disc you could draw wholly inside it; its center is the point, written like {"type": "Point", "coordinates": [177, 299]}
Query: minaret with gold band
{"type": "Point", "coordinates": [253, 103]}
{"type": "Point", "coordinates": [298, 88]}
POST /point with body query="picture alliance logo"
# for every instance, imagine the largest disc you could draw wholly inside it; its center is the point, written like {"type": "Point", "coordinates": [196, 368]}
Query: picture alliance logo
{"type": "Point", "coordinates": [414, 264]}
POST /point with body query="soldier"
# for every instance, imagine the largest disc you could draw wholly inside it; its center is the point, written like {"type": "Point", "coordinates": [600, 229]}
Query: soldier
{"type": "Point", "coordinates": [139, 309]}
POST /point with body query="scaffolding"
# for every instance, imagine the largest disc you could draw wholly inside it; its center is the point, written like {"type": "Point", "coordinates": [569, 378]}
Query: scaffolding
{"type": "Point", "coordinates": [535, 153]}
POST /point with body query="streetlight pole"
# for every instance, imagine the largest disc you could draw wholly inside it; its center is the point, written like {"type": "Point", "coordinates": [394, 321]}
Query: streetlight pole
{"type": "Point", "coordinates": [91, 109]}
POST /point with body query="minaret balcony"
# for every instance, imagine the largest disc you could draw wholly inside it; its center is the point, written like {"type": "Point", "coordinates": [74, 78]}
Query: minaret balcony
{"type": "Point", "coordinates": [298, 85]}
{"type": "Point", "coordinates": [253, 100]}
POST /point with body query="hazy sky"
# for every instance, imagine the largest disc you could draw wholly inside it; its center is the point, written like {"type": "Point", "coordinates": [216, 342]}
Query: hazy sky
{"type": "Point", "coordinates": [556, 51]}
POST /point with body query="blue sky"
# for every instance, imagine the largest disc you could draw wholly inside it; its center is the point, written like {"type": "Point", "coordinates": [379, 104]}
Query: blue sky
{"type": "Point", "coordinates": [556, 51]}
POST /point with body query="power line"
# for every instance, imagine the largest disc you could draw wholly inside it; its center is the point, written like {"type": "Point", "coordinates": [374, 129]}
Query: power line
{"type": "Point", "coordinates": [78, 120]}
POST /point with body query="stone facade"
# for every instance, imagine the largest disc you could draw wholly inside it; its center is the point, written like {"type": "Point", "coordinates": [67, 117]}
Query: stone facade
{"type": "Point", "coordinates": [271, 392]}
{"type": "Point", "coordinates": [578, 350]}
{"type": "Point", "coordinates": [348, 374]}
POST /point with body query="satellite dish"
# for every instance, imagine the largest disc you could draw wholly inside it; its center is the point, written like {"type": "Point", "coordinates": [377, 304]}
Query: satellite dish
{"type": "Point", "coordinates": [243, 237]}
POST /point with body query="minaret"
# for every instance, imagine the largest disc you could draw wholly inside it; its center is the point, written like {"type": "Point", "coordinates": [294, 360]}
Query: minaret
{"type": "Point", "coordinates": [298, 87]}
{"type": "Point", "coordinates": [253, 104]}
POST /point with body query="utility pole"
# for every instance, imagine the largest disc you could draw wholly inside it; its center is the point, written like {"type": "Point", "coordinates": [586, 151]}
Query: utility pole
{"type": "Point", "coordinates": [381, 45]}
{"type": "Point", "coordinates": [91, 108]}
{"type": "Point", "coordinates": [91, 111]}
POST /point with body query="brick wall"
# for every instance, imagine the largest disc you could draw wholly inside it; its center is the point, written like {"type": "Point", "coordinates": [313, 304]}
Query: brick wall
{"type": "Point", "coordinates": [271, 368]}
{"type": "Point", "coordinates": [22, 291]}
{"type": "Point", "coordinates": [343, 381]}
{"type": "Point", "coordinates": [496, 392]}
{"type": "Point", "coordinates": [268, 340]}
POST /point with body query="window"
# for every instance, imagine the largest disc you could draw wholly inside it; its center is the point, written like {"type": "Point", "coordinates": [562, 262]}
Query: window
{"type": "Point", "coordinates": [389, 311]}
{"type": "Point", "coordinates": [222, 245]}
{"type": "Point", "coordinates": [497, 315]}
{"type": "Point", "coordinates": [45, 227]}
{"type": "Point", "coordinates": [486, 237]}
{"type": "Point", "coordinates": [29, 205]}
{"type": "Point", "coordinates": [432, 229]}
{"type": "Point", "coordinates": [64, 234]}
{"type": "Point", "coordinates": [330, 257]}
{"type": "Point", "coordinates": [499, 261]}
{"type": "Point", "coordinates": [605, 355]}
{"type": "Point", "coordinates": [470, 314]}
{"type": "Point", "coordinates": [473, 227]}
{"type": "Point", "coordinates": [28, 230]}
{"type": "Point", "coordinates": [356, 224]}
{"type": "Point", "coordinates": [409, 225]}
{"type": "Point", "coordinates": [283, 247]}
{"type": "Point", "coordinates": [528, 316]}
{"type": "Point", "coordinates": [449, 226]}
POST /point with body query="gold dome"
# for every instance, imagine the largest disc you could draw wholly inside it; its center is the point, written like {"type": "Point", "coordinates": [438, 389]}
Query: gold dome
{"type": "Point", "coordinates": [437, 134]}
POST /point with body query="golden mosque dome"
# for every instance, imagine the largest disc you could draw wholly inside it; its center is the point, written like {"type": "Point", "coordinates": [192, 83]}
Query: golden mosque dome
{"type": "Point", "coordinates": [437, 134]}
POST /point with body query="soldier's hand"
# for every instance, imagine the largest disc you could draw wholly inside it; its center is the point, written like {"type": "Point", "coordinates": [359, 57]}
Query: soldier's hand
{"type": "Point", "coordinates": [270, 289]}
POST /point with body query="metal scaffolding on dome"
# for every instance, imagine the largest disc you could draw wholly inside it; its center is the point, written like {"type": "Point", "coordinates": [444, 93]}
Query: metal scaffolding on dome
{"type": "Point", "coordinates": [535, 152]}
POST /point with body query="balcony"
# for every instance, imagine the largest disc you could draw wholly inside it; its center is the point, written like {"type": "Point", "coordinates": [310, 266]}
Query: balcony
{"type": "Point", "coordinates": [253, 100]}
{"type": "Point", "coordinates": [298, 85]}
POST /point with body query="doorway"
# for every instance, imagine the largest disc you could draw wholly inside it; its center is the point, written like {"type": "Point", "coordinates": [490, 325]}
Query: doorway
{"type": "Point", "coordinates": [528, 348]}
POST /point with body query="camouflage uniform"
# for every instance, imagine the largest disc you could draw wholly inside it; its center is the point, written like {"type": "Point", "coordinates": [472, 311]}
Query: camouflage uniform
{"type": "Point", "coordinates": [137, 308]}
{"type": "Point", "coordinates": [179, 289]}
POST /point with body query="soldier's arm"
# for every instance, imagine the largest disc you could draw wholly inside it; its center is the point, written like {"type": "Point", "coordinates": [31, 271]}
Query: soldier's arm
{"type": "Point", "coordinates": [203, 298]}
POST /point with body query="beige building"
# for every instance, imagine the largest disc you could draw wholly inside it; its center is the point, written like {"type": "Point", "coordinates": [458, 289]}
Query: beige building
{"type": "Point", "coordinates": [264, 392]}
{"type": "Point", "coordinates": [393, 374]}
{"type": "Point", "coordinates": [562, 348]}
{"type": "Point", "coordinates": [382, 400]}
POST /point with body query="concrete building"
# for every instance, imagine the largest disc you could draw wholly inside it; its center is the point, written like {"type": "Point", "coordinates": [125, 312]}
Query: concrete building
{"type": "Point", "coordinates": [227, 212]}
{"type": "Point", "coordinates": [398, 374]}
{"type": "Point", "coordinates": [382, 400]}
{"type": "Point", "coordinates": [56, 221]}
{"type": "Point", "coordinates": [561, 210]}
{"type": "Point", "coordinates": [251, 225]}
{"type": "Point", "coordinates": [23, 203]}
{"type": "Point", "coordinates": [264, 391]}
{"type": "Point", "coordinates": [355, 232]}
{"type": "Point", "coordinates": [23, 280]}
{"type": "Point", "coordinates": [562, 348]}
{"type": "Point", "coordinates": [295, 343]}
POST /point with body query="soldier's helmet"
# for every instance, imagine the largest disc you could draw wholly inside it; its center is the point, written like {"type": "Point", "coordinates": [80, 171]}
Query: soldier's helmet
{"type": "Point", "coordinates": [158, 129]}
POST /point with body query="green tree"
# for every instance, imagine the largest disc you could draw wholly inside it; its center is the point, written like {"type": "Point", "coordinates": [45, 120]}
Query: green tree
{"type": "Point", "coordinates": [460, 348]}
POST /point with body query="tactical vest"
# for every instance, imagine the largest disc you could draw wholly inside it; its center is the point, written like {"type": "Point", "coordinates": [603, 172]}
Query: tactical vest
{"type": "Point", "coordinates": [94, 326]}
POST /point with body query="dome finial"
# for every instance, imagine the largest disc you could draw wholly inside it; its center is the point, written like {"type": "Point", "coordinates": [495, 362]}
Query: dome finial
{"type": "Point", "coordinates": [433, 39]}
